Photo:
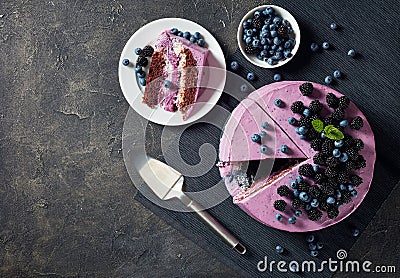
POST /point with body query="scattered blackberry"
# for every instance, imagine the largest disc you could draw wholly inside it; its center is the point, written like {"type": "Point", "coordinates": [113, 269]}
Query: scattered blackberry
{"type": "Point", "coordinates": [358, 144]}
{"type": "Point", "coordinates": [257, 23]}
{"type": "Point", "coordinates": [312, 134]}
{"type": "Point", "coordinates": [356, 180]}
{"type": "Point", "coordinates": [297, 107]}
{"type": "Point", "coordinates": [330, 172]}
{"type": "Point", "coordinates": [327, 147]}
{"type": "Point", "coordinates": [280, 205]}
{"type": "Point", "coordinates": [142, 61]}
{"type": "Point", "coordinates": [332, 161]}
{"type": "Point", "coordinates": [316, 144]}
{"type": "Point", "coordinates": [283, 31]}
{"type": "Point", "coordinates": [342, 177]}
{"type": "Point", "coordinates": [297, 203]}
{"type": "Point", "coordinates": [332, 100]}
{"type": "Point", "coordinates": [350, 165]}
{"type": "Point", "coordinates": [314, 191]}
{"type": "Point", "coordinates": [329, 121]}
{"type": "Point", "coordinates": [303, 186]}
{"type": "Point", "coordinates": [361, 162]}
{"type": "Point", "coordinates": [314, 214]}
{"type": "Point", "coordinates": [250, 49]}
{"type": "Point", "coordinates": [356, 123]}
{"type": "Point", "coordinates": [344, 102]}
{"type": "Point", "coordinates": [324, 206]}
{"type": "Point", "coordinates": [284, 190]}
{"type": "Point", "coordinates": [327, 190]}
{"type": "Point", "coordinates": [306, 170]}
{"type": "Point", "coordinates": [352, 154]}
{"type": "Point", "coordinates": [333, 213]}
{"type": "Point", "coordinates": [319, 178]}
{"type": "Point", "coordinates": [346, 197]}
{"type": "Point", "coordinates": [315, 106]}
{"type": "Point", "coordinates": [332, 182]}
{"type": "Point", "coordinates": [319, 158]}
{"type": "Point", "coordinates": [147, 51]}
{"type": "Point", "coordinates": [338, 114]}
{"type": "Point", "coordinates": [305, 121]}
{"type": "Point", "coordinates": [348, 142]}
{"type": "Point", "coordinates": [306, 89]}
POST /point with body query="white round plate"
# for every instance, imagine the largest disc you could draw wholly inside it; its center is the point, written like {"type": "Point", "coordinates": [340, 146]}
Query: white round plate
{"type": "Point", "coordinates": [132, 91]}
{"type": "Point", "coordinates": [285, 15]}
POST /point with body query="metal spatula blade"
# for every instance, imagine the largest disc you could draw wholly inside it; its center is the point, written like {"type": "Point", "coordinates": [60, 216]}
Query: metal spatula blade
{"type": "Point", "coordinates": [167, 183]}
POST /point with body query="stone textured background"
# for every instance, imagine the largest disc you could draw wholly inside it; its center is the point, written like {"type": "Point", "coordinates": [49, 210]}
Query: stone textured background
{"type": "Point", "coordinates": [66, 201]}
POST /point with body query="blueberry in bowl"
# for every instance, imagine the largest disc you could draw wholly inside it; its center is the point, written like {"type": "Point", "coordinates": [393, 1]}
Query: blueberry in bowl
{"type": "Point", "coordinates": [268, 36]}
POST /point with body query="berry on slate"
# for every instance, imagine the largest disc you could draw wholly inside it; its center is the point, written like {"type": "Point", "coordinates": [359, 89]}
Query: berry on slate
{"type": "Point", "coordinates": [280, 205]}
{"type": "Point", "coordinates": [332, 100]}
{"type": "Point", "coordinates": [325, 45]}
{"type": "Point", "coordinates": [306, 170]}
{"type": "Point", "coordinates": [306, 88]}
{"type": "Point", "coordinates": [356, 123]}
{"type": "Point", "coordinates": [251, 76]}
{"type": "Point", "coordinates": [234, 65]}
{"type": "Point", "coordinates": [333, 26]}
{"type": "Point", "coordinates": [351, 53]}
{"type": "Point", "coordinates": [328, 79]}
{"type": "Point", "coordinates": [297, 107]}
{"type": "Point", "coordinates": [284, 190]}
{"type": "Point", "coordinates": [315, 106]}
{"type": "Point", "coordinates": [148, 51]}
{"type": "Point", "coordinates": [277, 77]}
{"type": "Point", "coordinates": [142, 61]}
{"type": "Point", "coordinates": [314, 214]}
{"type": "Point", "coordinates": [337, 74]}
{"type": "Point", "coordinates": [314, 47]}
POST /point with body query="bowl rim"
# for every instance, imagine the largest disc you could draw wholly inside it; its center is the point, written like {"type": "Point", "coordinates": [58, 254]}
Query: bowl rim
{"type": "Point", "coordinates": [293, 23]}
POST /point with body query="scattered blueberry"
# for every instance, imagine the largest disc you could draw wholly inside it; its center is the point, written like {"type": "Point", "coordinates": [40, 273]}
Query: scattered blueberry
{"type": "Point", "coordinates": [197, 35]}
{"type": "Point", "coordinates": [355, 232]}
{"type": "Point", "coordinates": [328, 80]}
{"type": "Point", "coordinates": [292, 121]}
{"type": "Point", "coordinates": [201, 42]}
{"type": "Point", "coordinates": [310, 238]}
{"type": "Point", "coordinates": [279, 249]}
{"type": "Point", "coordinates": [339, 143]}
{"type": "Point", "coordinates": [344, 157]}
{"type": "Point", "coordinates": [343, 187]}
{"type": "Point", "coordinates": [263, 149]}
{"type": "Point", "coordinates": [255, 138]}
{"type": "Point", "coordinates": [125, 62]}
{"type": "Point", "coordinates": [314, 203]}
{"type": "Point", "coordinates": [323, 135]}
{"type": "Point", "coordinates": [314, 47]}
{"type": "Point", "coordinates": [320, 245]}
{"type": "Point", "coordinates": [312, 246]}
{"type": "Point", "coordinates": [292, 220]}
{"type": "Point", "coordinates": [296, 193]}
{"type": "Point", "coordinates": [273, 33]}
{"type": "Point", "coordinates": [304, 196]}
{"type": "Point", "coordinates": [142, 81]}
{"type": "Point", "coordinates": [330, 200]}
{"type": "Point", "coordinates": [302, 130]}
{"type": "Point", "coordinates": [278, 102]}
{"type": "Point", "coordinates": [351, 53]}
{"type": "Point", "coordinates": [306, 112]}
{"type": "Point", "coordinates": [344, 123]}
{"type": "Point", "coordinates": [138, 69]}
{"type": "Point", "coordinates": [138, 51]}
{"type": "Point", "coordinates": [180, 34]}
{"type": "Point", "coordinates": [325, 45]}
{"type": "Point", "coordinates": [243, 88]}
{"type": "Point", "coordinates": [314, 253]}
{"type": "Point", "coordinates": [307, 207]}
{"type": "Point", "coordinates": [263, 134]}
{"type": "Point", "coordinates": [299, 178]}
{"type": "Point", "coordinates": [187, 35]}
{"type": "Point", "coordinates": [298, 213]}
{"type": "Point", "coordinates": [293, 184]}
{"type": "Point", "coordinates": [264, 125]}
{"type": "Point", "coordinates": [333, 26]}
{"type": "Point", "coordinates": [336, 153]}
{"type": "Point", "coordinates": [234, 65]}
{"type": "Point", "coordinates": [337, 74]}
{"type": "Point", "coordinates": [192, 39]}
{"type": "Point", "coordinates": [251, 76]}
{"type": "Point", "coordinates": [174, 31]}
{"type": "Point", "coordinates": [338, 194]}
{"type": "Point", "coordinates": [284, 149]}
{"type": "Point", "coordinates": [141, 74]}
{"type": "Point", "coordinates": [302, 137]}
{"type": "Point", "coordinates": [316, 168]}
{"type": "Point", "coordinates": [278, 217]}
{"type": "Point", "coordinates": [353, 193]}
{"type": "Point", "coordinates": [277, 77]}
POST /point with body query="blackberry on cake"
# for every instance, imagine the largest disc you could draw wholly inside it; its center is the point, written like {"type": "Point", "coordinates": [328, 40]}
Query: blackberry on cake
{"type": "Point", "coordinates": [142, 61]}
{"type": "Point", "coordinates": [332, 100]}
{"type": "Point", "coordinates": [332, 162]}
{"type": "Point", "coordinates": [319, 178]}
{"type": "Point", "coordinates": [303, 186]}
{"type": "Point", "coordinates": [305, 121]}
{"type": "Point", "coordinates": [330, 172]}
{"type": "Point", "coordinates": [312, 134]}
{"type": "Point", "coordinates": [338, 114]}
{"type": "Point", "coordinates": [327, 190]}
{"type": "Point", "coordinates": [327, 147]}
{"type": "Point", "coordinates": [324, 205]}
{"type": "Point", "coordinates": [352, 154]}
{"type": "Point", "coordinates": [319, 158]}
{"type": "Point", "coordinates": [343, 102]}
{"type": "Point", "coordinates": [284, 190]}
{"type": "Point", "coordinates": [361, 162]}
{"type": "Point", "coordinates": [356, 180]}
{"type": "Point", "coordinates": [314, 214]}
{"type": "Point", "coordinates": [342, 177]}
{"type": "Point", "coordinates": [333, 213]}
{"type": "Point", "coordinates": [297, 107]}
{"type": "Point", "coordinates": [316, 144]}
{"type": "Point", "coordinates": [357, 123]}
{"type": "Point", "coordinates": [314, 191]}
{"type": "Point", "coordinates": [358, 144]}
{"type": "Point", "coordinates": [315, 106]}
{"type": "Point", "coordinates": [306, 88]}
{"type": "Point", "coordinates": [346, 197]}
{"type": "Point", "coordinates": [329, 121]}
{"type": "Point", "coordinates": [297, 204]}
{"type": "Point", "coordinates": [306, 170]}
{"type": "Point", "coordinates": [280, 205]}
{"type": "Point", "coordinates": [350, 165]}
{"type": "Point", "coordinates": [147, 51]}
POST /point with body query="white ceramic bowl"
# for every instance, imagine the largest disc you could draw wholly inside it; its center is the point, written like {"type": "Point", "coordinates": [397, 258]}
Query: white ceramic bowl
{"type": "Point", "coordinates": [285, 15]}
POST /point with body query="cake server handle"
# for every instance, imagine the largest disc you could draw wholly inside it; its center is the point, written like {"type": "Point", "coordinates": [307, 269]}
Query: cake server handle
{"type": "Point", "coordinates": [213, 224]}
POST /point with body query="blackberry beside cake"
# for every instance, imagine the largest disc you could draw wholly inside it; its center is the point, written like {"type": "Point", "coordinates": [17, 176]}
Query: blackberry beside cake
{"type": "Point", "coordinates": [317, 151]}
{"type": "Point", "coordinates": [175, 74]}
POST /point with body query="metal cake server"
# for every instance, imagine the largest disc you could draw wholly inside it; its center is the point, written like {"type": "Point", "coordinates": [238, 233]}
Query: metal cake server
{"type": "Point", "coordinates": [167, 183]}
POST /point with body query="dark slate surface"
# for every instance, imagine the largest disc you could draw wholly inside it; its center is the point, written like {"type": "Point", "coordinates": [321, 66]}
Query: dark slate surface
{"type": "Point", "coordinates": [65, 197]}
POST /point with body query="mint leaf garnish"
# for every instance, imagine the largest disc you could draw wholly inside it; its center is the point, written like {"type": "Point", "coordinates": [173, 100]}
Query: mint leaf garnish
{"type": "Point", "coordinates": [333, 133]}
{"type": "Point", "coordinates": [318, 125]}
